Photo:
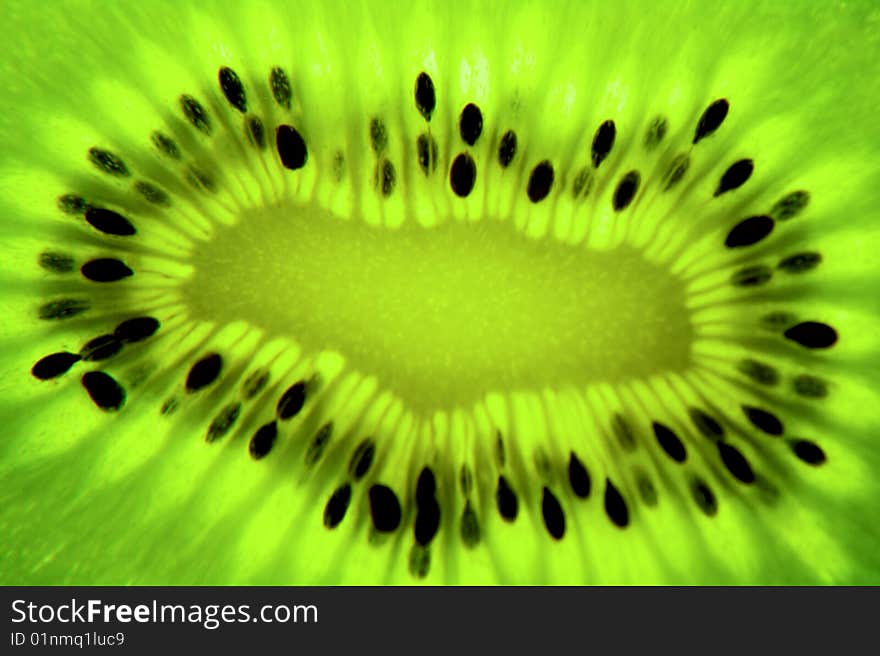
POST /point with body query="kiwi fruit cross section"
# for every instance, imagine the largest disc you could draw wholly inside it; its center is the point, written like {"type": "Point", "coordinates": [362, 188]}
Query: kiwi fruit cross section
{"type": "Point", "coordinates": [454, 293]}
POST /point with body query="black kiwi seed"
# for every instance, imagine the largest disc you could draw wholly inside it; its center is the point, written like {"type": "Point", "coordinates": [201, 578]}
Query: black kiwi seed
{"type": "Point", "coordinates": [711, 120]}
{"type": "Point", "coordinates": [378, 136]}
{"type": "Point", "coordinates": [263, 440]}
{"type": "Point", "coordinates": [54, 365]}
{"type": "Point", "coordinates": [165, 144]}
{"type": "Point", "coordinates": [426, 485]}
{"type": "Point", "coordinates": [136, 330]}
{"type": "Point", "coordinates": [280, 87]}
{"type": "Point", "coordinates": [735, 176]}
{"type": "Point", "coordinates": [810, 452]}
{"type": "Point", "coordinates": [362, 459]}
{"type": "Point", "coordinates": [195, 113]}
{"type": "Point", "coordinates": [470, 124]}
{"type": "Point", "coordinates": [102, 347]}
{"type": "Point", "coordinates": [152, 193]}
{"type": "Point", "coordinates": [809, 386]}
{"type": "Point", "coordinates": [470, 527]}
{"type": "Point", "coordinates": [292, 401]}
{"type": "Point", "coordinates": [625, 191]}
{"type": "Point", "coordinates": [223, 422]}
{"type": "Point", "coordinates": [104, 391]}
{"type": "Point", "coordinates": [256, 132]}
{"type": "Point", "coordinates": [678, 167]}
{"type": "Point", "coordinates": [109, 222]}
{"type": "Point", "coordinates": [204, 372]}
{"type": "Point", "coordinates": [232, 88]}
{"type": "Point", "coordinates": [554, 518]}
{"type": "Point", "coordinates": [603, 142]}
{"type": "Point", "coordinates": [749, 231]}
{"type": "Point", "coordinates": [106, 269]}
{"type": "Point", "coordinates": [790, 205]}
{"type": "Point", "coordinates": [655, 133]}
{"type": "Point", "coordinates": [705, 424]}
{"type": "Point", "coordinates": [583, 182]}
{"type": "Point", "coordinates": [736, 463]}
{"type": "Point", "coordinates": [64, 308]}
{"type": "Point", "coordinates": [800, 263]}
{"type": "Point", "coordinates": [751, 276]}
{"type": "Point", "coordinates": [764, 420]}
{"type": "Point", "coordinates": [540, 181]}
{"type": "Point", "coordinates": [507, 148]}
{"type": "Point", "coordinates": [505, 497]}
{"type": "Point", "coordinates": [578, 477]}
{"type": "Point", "coordinates": [462, 174]}
{"type": "Point", "coordinates": [384, 508]}
{"type": "Point", "coordinates": [72, 204]}
{"type": "Point", "coordinates": [427, 513]}
{"type": "Point", "coordinates": [759, 372]}
{"type": "Point", "coordinates": [615, 505]}
{"type": "Point", "coordinates": [291, 147]}
{"type": "Point", "coordinates": [107, 162]}
{"type": "Point", "coordinates": [669, 442]}
{"type": "Point", "coordinates": [56, 262]}
{"type": "Point", "coordinates": [319, 444]}
{"type": "Point", "coordinates": [337, 505]}
{"type": "Point", "coordinates": [704, 497]}
{"type": "Point", "coordinates": [426, 98]}
{"type": "Point", "coordinates": [812, 334]}
{"type": "Point", "coordinates": [426, 151]}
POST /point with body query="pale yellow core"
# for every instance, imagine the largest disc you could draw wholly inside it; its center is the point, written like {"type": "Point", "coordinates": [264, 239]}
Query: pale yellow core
{"type": "Point", "coordinates": [444, 315]}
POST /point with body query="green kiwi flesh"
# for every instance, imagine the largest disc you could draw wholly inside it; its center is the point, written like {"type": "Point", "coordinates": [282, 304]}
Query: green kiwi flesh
{"type": "Point", "coordinates": [323, 293]}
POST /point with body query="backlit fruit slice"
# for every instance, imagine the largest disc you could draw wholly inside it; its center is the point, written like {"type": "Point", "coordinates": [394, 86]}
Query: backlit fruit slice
{"type": "Point", "coordinates": [340, 293]}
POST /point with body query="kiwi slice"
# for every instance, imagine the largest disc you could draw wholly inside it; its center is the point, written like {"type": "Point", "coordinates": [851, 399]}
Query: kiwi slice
{"type": "Point", "coordinates": [321, 293]}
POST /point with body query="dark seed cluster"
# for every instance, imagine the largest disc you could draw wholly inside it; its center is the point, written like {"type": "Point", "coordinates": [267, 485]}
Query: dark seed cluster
{"type": "Point", "coordinates": [392, 506]}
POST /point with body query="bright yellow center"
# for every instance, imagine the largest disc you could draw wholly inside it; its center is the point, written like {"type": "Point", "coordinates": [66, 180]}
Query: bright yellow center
{"type": "Point", "coordinates": [443, 315]}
